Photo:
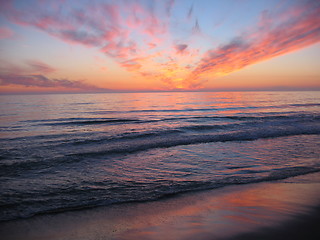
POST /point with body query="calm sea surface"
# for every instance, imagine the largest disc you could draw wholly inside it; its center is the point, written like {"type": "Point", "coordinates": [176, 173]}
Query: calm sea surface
{"type": "Point", "coordinates": [60, 152]}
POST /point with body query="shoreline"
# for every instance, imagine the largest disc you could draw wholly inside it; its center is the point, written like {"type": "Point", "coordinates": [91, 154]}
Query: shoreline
{"type": "Point", "coordinates": [287, 208]}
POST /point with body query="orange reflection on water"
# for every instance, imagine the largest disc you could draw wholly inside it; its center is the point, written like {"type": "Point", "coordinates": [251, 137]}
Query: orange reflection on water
{"type": "Point", "coordinates": [223, 212]}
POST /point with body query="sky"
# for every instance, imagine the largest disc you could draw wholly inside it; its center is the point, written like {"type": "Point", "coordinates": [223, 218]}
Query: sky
{"type": "Point", "coordinates": [158, 45]}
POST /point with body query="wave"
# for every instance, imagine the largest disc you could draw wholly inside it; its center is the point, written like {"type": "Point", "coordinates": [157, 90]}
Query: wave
{"type": "Point", "coordinates": [208, 127]}
{"type": "Point", "coordinates": [291, 117]}
{"type": "Point", "coordinates": [164, 142]}
{"type": "Point", "coordinates": [174, 110]}
{"type": "Point", "coordinates": [240, 117]}
{"type": "Point", "coordinates": [130, 136]}
{"type": "Point", "coordinates": [72, 149]}
{"type": "Point", "coordinates": [93, 122]}
{"type": "Point", "coordinates": [157, 190]}
{"type": "Point", "coordinates": [305, 105]}
{"type": "Point", "coordinates": [208, 109]}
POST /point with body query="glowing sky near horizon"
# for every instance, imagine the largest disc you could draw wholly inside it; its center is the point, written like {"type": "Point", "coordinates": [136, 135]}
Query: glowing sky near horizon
{"type": "Point", "coordinates": [158, 45]}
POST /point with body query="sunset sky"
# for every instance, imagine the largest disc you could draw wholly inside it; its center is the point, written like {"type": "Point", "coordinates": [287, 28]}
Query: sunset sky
{"type": "Point", "coordinates": [132, 45]}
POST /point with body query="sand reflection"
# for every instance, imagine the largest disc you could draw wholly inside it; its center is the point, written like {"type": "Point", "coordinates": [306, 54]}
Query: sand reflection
{"type": "Point", "coordinates": [224, 213]}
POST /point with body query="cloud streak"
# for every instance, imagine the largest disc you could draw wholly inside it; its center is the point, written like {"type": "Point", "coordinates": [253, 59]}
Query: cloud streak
{"type": "Point", "coordinates": [38, 80]}
{"type": "Point", "coordinates": [39, 66]}
{"type": "Point", "coordinates": [33, 75]}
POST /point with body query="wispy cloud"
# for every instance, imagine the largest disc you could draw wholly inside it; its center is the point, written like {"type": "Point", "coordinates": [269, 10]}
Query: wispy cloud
{"type": "Point", "coordinates": [181, 47]}
{"type": "Point", "coordinates": [39, 66]}
{"type": "Point", "coordinates": [32, 75]}
{"type": "Point", "coordinates": [43, 81]}
{"type": "Point", "coordinates": [189, 16]}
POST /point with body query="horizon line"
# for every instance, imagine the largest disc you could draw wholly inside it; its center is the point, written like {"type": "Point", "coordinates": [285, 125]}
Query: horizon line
{"type": "Point", "coordinates": [316, 89]}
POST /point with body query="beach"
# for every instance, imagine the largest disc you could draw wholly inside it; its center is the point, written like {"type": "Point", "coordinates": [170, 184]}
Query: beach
{"type": "Point", "coordinates": [283, 209]}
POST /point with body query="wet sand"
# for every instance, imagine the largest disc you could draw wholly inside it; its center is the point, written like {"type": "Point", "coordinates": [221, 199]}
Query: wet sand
{"type": "Point", "coordinates": [286, 209]}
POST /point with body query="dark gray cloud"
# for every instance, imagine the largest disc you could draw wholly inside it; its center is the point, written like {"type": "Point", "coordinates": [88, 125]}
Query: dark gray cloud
{"type": "Point", "coordinates": [40, 67]}
{"type": "Point", "coordinates": [196, 28]}
{"type": "Point", "coordinates": [181, 47]}
{"type": "Point", "coordinates": [190, 12]}
{"type": "Point", "coordinates": [38, 80]}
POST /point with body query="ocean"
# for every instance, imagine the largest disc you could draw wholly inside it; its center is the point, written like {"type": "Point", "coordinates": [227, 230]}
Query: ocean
{"type": "Point", "coordinates": [61, 152]}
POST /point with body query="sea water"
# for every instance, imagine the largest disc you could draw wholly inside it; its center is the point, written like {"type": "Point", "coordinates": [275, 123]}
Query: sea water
{"type": "Point", "coordinates": [71, 151]}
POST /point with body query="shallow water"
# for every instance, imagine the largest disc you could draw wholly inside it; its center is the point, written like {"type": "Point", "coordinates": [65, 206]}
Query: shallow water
{"type": "Point", "coordinates": [61, 152]}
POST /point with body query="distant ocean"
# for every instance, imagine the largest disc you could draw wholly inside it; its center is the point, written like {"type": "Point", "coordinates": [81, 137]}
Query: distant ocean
{"type": "Point", "coordinates": [74, 151]}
